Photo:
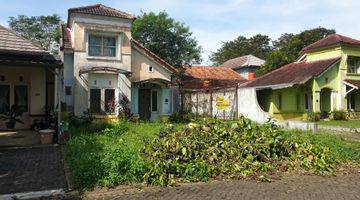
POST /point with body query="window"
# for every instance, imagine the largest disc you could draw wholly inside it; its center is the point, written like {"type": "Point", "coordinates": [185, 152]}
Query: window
{"type": "Point", "coordinates": [307, 101]}
{"type": "Point", "coordinates": [351, 101]}
{"type": "Point", "coordinates": [4, 98]}
{"type": "Point", "coordinates": [279, 101]}
{"type": "Point", "coordinates": [21, 97]}
{"type": "Point", "coordinates": [297, 102]}
{"type": "Point", "coordinates": [68, 90]}
{"type": "Point", "coordinates": [154, 104]}
{"type": "Point", "coordinates": [110, 104]}
{"type": "Point", "coordinates": [95, 99]}
{"type": "Point", "coordinates": [150, 68]}
{"type": "Point", "coordinates": [353, 65]}
{"type": "Point", "coordinates": [103, 46]}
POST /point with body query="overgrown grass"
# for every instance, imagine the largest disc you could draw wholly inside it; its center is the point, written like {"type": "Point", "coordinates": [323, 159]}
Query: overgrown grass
{"type": "Point", "coordinates": [343, 123]}
{"type": "Point", "coordinates": [109, 154]}
{"type": "Point", "coordinates": [340, 149]}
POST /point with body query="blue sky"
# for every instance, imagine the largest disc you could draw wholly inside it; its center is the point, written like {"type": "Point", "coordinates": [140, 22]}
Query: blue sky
{"type": "Point", "coordinates": [214, 21]}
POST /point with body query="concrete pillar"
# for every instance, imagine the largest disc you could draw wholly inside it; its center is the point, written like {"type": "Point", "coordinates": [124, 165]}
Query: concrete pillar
{"type": "Point", "coordinates": [316, 101]}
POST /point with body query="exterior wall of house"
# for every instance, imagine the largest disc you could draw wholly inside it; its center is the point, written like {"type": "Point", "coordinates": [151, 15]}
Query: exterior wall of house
{"type": "Point", "coordinates": [140, 72]}
{"type": "Point", "coordinates": [35, 80]}
{"type": "Point", "coordinates": [244, 71]}
{"type": "Point", "coordinates": [82, 26]}
{"type": "Point", "coordinates": [140, 68]}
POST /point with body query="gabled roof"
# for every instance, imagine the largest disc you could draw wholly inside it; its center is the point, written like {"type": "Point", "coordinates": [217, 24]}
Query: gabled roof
{"type": "Point", "coordinates": [331, 40]}
{"type": "Point", "coordinates": [243, 61]}
{"type": "Point", "coordinates": [355, 83]}
{"type": "Point", "coordinates": [293, 73]}
{"type": "Point", "coordinates": [220, 77]}
{"type": "Point", "coordinates": [66, 37]}
{"type": "Point", "coordinates": [153, 56]}
{"type": "Point", "coordinates": [101, 10]}
{"type": "Point", "coordinates": [10, 41]}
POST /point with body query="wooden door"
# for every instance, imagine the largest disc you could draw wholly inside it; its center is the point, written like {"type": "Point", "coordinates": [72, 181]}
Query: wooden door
{"type": "Point", "coordinates": [144, 104]}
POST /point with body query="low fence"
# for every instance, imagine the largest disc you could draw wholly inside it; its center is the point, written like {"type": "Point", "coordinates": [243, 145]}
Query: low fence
{"type": "Point", "coordinates": [220, 103]}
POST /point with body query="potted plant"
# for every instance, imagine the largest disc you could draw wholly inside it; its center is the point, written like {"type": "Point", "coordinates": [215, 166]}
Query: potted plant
{"type": "Point", "coordinates": [12, 116]}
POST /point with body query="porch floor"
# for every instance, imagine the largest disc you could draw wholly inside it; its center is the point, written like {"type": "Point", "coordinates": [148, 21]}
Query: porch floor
{"type": "Point", "coordinates": [19, 138]}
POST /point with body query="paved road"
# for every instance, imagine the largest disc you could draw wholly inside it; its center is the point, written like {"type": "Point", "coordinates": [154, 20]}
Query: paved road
{"type": "Point", "coordinates": [31, 169]}
{"type": "Point", "coordinates": [294, 187]}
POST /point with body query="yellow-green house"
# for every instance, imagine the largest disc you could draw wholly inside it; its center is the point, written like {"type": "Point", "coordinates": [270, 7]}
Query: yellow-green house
{"type": "Point", "coordinates": [324, 79]}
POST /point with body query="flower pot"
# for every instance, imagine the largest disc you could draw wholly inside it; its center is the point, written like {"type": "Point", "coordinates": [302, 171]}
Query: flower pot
{"type": "Point", "coordinates": [46, 136]}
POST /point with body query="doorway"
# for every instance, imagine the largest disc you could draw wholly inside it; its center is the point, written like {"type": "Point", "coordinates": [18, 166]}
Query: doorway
{"type": "Point", "coordinates": [144, 104]}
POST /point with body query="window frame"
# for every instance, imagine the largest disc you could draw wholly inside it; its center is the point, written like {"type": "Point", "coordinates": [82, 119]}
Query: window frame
{"type": "Point", "coordinates": [157, 102]}
{"type": "Point", "coordinates": [8, 98]}
{"type": "Point", "coordinates": [27, 96]}
{"type": "Point", "coordinates": [353, 69]}
{"type": "Point", "coordinates": [279, 101]}
{"type": "Point", "coordinates": [105, 100]}
{"type": "Point", "coordinates": [118, 44]}
{"type": "Point", "coordinates": [90, 108]}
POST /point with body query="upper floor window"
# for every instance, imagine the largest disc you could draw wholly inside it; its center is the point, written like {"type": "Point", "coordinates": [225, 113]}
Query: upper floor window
{"type": "Point", "coordinates": [353, 65]}
{"type": "Point", "coordinates": [104, 46]}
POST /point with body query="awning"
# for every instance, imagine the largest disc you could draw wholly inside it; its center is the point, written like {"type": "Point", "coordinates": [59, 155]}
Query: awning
{"type": "Point", "coordinates": [156, 81]}
{"type": "Point", "coordinates": [115, 70]}
{"type": "Point", "coordinates": [354, 84]}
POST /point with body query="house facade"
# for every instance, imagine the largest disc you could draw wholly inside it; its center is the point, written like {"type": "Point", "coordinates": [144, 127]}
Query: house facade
{"type": "Point", "coordinates": [325, 79]}
{"type": "Point", "coordinates": [28, 78]}
{"type": "Point", "coordinates": [104, 68]}
{"type": "Point", "coordinates": [246, 66]}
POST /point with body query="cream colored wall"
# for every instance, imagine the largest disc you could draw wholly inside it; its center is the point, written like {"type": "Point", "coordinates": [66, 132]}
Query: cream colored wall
{"type": "Point", "coordinates": [35, 79]}
{"type": "Point", "coordinates": [140, 64]}
{"type": "Point", "coordinates": [81, 25]}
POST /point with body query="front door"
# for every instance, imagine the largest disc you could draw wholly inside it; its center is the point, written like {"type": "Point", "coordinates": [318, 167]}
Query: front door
{"type": "Point", "coordinates": [144, 104]}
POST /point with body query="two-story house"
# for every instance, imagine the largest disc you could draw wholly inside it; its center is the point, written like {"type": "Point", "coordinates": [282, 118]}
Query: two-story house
{"type": "Point", "coordinates": [246, 66]}
{"type": "Point", "coordinates": [104, 67]}
{"type": "Point", "coordinates": [326, 78]}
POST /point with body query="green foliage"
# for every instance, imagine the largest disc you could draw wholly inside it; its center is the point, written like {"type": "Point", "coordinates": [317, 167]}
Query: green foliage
{"type": "Point", "coordinates": [108, 154]}
{"type": "Point", "coordinates": [42, 29]}
{"type": "Point", "coordinates": [183, 117]}
{"type": "Point", "coordinates": [12, 116]}
{"type": "Point", "coordinates": [338, 115]}
{"type": "Point", "coordinates": [213, 148]}
{"type": "Point", "coordinates": [288, 46]}
{"type": "Point", "coordinates": [258, 45]}
{"type": "Point", "coordinates": [313, 116]}
{"type": "Point", "coordinates": [167, 38]}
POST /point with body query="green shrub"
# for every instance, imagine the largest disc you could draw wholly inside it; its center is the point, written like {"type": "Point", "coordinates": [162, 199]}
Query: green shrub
{"type": "Point", "coordinates": [183, 117]}
{"type": "Point", "coordinates": [313, 116]}
{"type": "Point", "coordinates": [213, 148]}
{"type": "Point", "coordinates": [338, 115]}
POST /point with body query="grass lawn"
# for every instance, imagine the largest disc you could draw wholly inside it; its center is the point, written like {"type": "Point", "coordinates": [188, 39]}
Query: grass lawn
{"type": "Point", "coordinates": [110, 154]}
{"type": "Point", "coordinates": [343, 123]}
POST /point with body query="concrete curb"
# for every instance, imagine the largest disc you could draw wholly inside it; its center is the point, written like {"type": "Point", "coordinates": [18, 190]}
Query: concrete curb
{"type": "Point", "coordinates": [339, 128]}
{"type": "Point", "coordinates": [70, 186]}
{"type": "Point", "coordinates": [32, 195]}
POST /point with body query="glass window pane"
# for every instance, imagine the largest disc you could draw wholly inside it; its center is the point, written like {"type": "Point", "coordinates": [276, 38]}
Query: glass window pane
{"type": "Point", "coordinates": [110, 104]}
{"type": "Point", "coordinates": [94, 50]}
{"type": "Point", "coordinates": [4, 98]}
{"type": "Point", "coordinates": [94, 40]}
{"type": "Point", "coordinates": [154, 100]}
{"type": "Point", "coordinates": [95, 98]}
{"type": "Point", "coordinates": [109, 51]}
{"type": "Point", "coordinates": [109, 41]}
{"type": "Point", "coordinates": [21, 97]}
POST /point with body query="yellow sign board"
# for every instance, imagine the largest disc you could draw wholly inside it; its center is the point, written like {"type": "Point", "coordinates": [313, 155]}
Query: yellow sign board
{"type": "Point", "coordinates": [222, 103]}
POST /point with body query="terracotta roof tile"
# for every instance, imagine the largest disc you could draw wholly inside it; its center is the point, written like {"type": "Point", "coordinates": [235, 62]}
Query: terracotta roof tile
{"type": "Point", "coordinates": [219, 77]}
{"type": "Point", "coordinates": [10, 41]}
{"type": "Point", "coordinates": [331, 40]}
{"type": "Point", "coordinates": [99, 9]}
{"type": "Point", "coordinates": [243, 61]}
{"type": "Point", "coordinates": [66, 37]}
{"type": "Point", "coordinates": [153, 56]}
{"type": "Point", "coordinates": [293, 73]}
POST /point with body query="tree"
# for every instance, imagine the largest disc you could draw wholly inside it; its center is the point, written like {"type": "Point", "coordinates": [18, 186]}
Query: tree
{"type": "Point", "coordinates": [167, 38]}
{"type": "Point", "coordinates": [288, 47]}
{"type": "Point", "coordinates": [258, 45]}
{"type": "Point", "coordinates": [42, 29]}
